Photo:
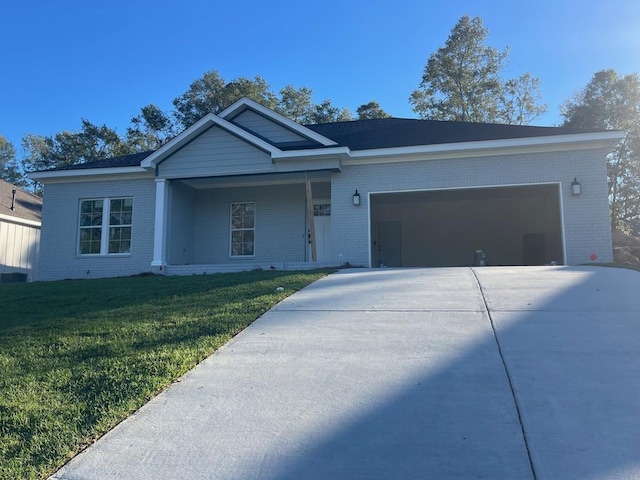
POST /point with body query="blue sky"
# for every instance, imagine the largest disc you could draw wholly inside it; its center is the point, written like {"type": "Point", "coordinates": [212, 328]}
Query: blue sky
{"type": "Point", "coordinates": [65, 60]}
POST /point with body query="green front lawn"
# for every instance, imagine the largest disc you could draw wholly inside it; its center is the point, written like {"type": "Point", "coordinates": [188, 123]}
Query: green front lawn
{"type": "Point", "coordinates": [77, 357]}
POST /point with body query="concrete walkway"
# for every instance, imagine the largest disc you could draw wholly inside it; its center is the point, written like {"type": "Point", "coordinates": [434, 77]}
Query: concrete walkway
{"type": "Point", "coordinates": [405, 374]}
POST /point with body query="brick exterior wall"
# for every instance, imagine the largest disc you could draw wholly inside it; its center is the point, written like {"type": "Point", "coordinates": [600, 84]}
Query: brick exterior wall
{"type": "Point", "coordinates": [59, 241]}
{"type": "Point", "coordinates": [586, 217]}
{"type": "Point", "coordinates": [280, 214]}
{"type": "Point", "coordinates": [280, 224]}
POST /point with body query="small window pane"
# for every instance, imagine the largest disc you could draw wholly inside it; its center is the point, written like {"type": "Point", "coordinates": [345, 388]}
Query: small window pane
{"type": "Point", "coordinates": [90, 240]}
{"type": "Point", "coordinates": [242, 243]}
{"type": "Point", "coordinates": [91, 212]}
{"type": "Point", "coordinates": [120, 240]}
{"type": "Point", "coordinates": [242, 215]}
{"type": "Point", "coordinates": [321, 210]}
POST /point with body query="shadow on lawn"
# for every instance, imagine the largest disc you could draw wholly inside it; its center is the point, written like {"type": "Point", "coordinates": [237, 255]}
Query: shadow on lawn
{"type": "Point", "coordinates": [26, 304]}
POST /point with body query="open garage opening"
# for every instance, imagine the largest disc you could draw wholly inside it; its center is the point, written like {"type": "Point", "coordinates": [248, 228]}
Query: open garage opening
{"type": "Point", "coordinates": [519, 225]}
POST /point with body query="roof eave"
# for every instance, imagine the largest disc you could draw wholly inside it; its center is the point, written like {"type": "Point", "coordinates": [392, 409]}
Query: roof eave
{"type": "Point", "coordinates": [580, 140]}
{"type": "Point", "coordinates": [342, 152]}
{"type": "Point", "coordinates": [19, 220]}
{"type": "Point", "coordinates": [45, 176]}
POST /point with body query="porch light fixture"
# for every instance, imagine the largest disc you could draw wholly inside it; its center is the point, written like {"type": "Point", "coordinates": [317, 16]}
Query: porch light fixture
{"type": "Point", "coordinates": [356, 198]}
{"type": "Point", "coordinates": [576, 188]}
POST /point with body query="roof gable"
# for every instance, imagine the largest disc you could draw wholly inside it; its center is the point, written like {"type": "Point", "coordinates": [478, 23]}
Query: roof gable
{"type": "Point", "coordinates": [273, 132]}
{"type": "Point", "coordinates": [235, 112]}
{"type": "Point", "coordinates": [193, 132]}
{"type": "Point", "coordinates": [215, 152]}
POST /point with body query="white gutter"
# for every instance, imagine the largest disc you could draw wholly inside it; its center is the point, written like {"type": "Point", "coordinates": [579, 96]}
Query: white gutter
{"type": "Point", "coordinates": [86, 172]}
{"type": "Point", "coordinates": [551, 140]}
{"type": "Point", "coordinates": [22, 221]}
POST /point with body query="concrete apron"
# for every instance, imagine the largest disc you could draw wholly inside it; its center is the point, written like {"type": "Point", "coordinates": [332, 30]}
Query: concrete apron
{"type": "Point", "coordinates": [398, 374]}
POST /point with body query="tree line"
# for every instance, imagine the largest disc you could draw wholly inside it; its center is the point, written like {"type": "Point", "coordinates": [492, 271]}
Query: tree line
{"type": "Point", "coordinates": [461, 81]}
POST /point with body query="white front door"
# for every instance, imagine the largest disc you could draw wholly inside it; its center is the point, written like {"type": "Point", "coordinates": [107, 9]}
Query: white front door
{"type": "Point", "coordinates": [322, 226]}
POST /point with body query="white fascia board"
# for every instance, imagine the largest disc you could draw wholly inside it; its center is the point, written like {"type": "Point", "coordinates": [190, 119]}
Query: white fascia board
{"type": "Point", "coordinates": [206, 122]}
{"type": "Point", "coordinates": [20, 221]}
{"type": "Point", "coordinates": [493, 147]}
{"type": "Point", "coordinates": [276, 117]}
{"type": "Point", "coordinates": [313, 152]}
{"type": "Point", "coordinates": [86, 174]}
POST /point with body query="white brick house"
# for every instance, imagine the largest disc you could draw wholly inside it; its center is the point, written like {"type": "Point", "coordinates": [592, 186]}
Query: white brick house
{"type": "Point", "coordinates": [230, 193]}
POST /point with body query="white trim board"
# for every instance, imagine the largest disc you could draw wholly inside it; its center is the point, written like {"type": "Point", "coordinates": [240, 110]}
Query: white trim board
{"type": "Point", "coordinates": [20, 221]}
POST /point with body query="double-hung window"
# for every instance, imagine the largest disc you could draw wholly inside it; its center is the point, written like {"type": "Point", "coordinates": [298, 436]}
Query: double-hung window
{"type": "Point", "coordinates": [105, 226]}
{"type": "Point", "coordinates": [242, 229]}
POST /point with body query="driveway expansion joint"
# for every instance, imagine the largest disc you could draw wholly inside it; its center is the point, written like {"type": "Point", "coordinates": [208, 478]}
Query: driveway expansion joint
{"type": "Point", "coordinates": [506, 369]}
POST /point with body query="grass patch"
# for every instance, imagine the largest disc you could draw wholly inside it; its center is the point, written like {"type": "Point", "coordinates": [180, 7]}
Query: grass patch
{"type": "Point", "coordinates": [77, 357]}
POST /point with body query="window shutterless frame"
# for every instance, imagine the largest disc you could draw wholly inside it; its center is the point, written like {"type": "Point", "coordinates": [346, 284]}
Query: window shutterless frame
{"type": "Point", "coordinates": [105, 226]}
{"type": "Point", "coordinates": [242, 229]}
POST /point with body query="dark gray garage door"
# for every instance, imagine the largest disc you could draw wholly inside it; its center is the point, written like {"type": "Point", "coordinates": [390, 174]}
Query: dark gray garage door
{"type": "Point", "coordinates": [511, 225]}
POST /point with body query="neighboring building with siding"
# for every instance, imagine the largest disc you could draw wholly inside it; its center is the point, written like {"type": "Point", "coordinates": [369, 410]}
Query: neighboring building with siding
{"type": "Point", "coordinates": [249, 188]}
{"type": "Point", "coordinates": [20, 220]}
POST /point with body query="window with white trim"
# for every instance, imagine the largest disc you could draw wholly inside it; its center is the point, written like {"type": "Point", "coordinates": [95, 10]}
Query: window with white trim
{"type": "Point", "coordinates": [105, 226]}
{"type": "Point", "coordinates": [242, 229]}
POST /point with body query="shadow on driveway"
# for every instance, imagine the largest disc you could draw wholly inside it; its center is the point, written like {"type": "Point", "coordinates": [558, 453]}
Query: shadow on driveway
{"type": "Point", "coordinates": [401, 374]}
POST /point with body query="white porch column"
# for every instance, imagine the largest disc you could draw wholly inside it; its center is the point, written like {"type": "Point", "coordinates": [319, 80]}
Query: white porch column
{"type": "Point", "coordinates": [160, 229]}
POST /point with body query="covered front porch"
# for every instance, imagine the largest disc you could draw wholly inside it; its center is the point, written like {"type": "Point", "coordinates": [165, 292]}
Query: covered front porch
{"type": "Point", "coordinates": [243, 222]}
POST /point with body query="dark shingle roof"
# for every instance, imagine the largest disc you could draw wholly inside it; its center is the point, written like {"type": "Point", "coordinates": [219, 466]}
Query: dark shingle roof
{"type": "Point", "coordinates": [27, 206]}
{"type": "Point", "coordinates": [404, 132]}
{"type": "Point", "coordinates": [384, 133]}
{"type": "Point", "coordinates": [131, 160]}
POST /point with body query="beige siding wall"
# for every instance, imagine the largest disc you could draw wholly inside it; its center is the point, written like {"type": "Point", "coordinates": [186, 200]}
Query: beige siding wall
{"type": "Point", "coordinates": [214, 153]}
{"type": "Point", "coordinates": [266, 128]}
{"type": "Point", "coordinates": [19, 246]}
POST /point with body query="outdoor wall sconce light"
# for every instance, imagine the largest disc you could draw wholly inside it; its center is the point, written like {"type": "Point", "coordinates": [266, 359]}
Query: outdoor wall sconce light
{"type": "Point", "coordinates": [356, 198]}
{"type": "Point", "coordinates": [576, 188]}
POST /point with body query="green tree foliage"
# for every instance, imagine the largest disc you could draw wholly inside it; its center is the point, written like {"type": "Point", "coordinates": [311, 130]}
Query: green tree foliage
{"type": "Point", "coordinates": [149, 130]}
{"type": "Point", "coordinates": [326, 112]}
{"type": "Point", "coordinates": [91, 142]}
{"type": "Point", "coordinates": [9, 168]}
{"type": "Point", "coordinates": [520, 100]}
{"type": "Point", "coordinates": [152, 127]}
{"type": "Point", "coordinates": [461, 82]}
{"type": "Point", "coordinates": [212, 94]}
{"type": "Point", "coordinates": [370, 110]}
{"type": "Point", "coordinates": [296, 103]}
{"type": "Point", "coordinates": [612, 101]}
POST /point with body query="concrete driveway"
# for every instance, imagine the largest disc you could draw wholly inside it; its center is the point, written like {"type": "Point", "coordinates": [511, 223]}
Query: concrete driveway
{"type": "Point", "coordinates": [459, 373]}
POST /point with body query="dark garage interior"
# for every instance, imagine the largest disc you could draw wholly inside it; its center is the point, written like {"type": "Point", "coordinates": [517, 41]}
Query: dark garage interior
{"type": "Point", "coordinates": [518, 225]}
